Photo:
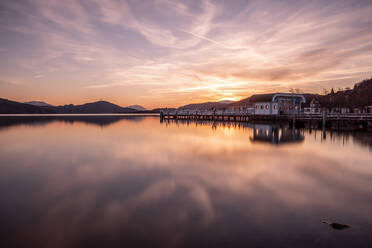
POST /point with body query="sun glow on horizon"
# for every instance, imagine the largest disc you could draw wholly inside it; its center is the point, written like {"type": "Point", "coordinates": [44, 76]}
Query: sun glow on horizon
{"type": "Point", "coordinates": [228, 99]}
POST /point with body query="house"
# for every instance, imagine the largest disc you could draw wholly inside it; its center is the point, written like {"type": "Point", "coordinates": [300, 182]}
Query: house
{"type": "Point", "coordinates": [344, 110]}
{"type": "Point", "coordinates": [357, 111]}
{"type": "Point", "coordinates": [245, 109]}
{"type": "Point", "coordinates": [340, 110]}
{"type": "Point", "coordinates": [369, 109]}
{"type": "Point", "coordinates": [315, 107]}
{"type": "Point", "coordinates": [278, 103]}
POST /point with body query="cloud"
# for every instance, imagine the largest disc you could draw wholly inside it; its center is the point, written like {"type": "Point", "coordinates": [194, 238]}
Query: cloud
{"type": "Point", "coordinates": [206, 38]}
{"type": "Point", "coordinates": [186, 50]}
{"type": "Point", "coordinates": [122, 14]}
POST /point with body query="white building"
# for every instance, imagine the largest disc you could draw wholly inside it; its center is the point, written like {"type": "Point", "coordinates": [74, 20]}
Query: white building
{"type": "Point", "coordinates": [369, 109]}
{"type": "Point", "coordinates": [281, 103]}
{"type": "Point", "coordinates": [266, 108]}
{"type": "Point", "coordinates": [314, 108]}
{"type": "Point", "coordinates": [340, 110]}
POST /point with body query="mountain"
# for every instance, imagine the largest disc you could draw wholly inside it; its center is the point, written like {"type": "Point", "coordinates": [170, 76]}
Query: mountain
{"type": "Point", "coordinates": [137, 107]}
{"type": "Point", "coordinates": [249, 101]}
{"type": "Point", "coordinates": [12, 107]}
{"type": "Point", "coordinates": [226, 101]}
{"type": "Point", "coordinates": [359, 96]}
{"type": "Point", "coordinates": [204, 106]}
{"type": "Point", "coordinates": [100, 107]}
{"type": "Point", "coordinates": [39, 104]}
{"type": "Point", "coordinates": [158, 110]}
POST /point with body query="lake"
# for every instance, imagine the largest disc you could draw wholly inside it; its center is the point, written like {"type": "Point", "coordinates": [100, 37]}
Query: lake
{"type": "Point", "coordinates": [134, 181]}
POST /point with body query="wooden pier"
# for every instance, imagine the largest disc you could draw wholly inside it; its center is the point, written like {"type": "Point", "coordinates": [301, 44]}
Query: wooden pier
{"type": "Point", "coordinates": [323, 120]}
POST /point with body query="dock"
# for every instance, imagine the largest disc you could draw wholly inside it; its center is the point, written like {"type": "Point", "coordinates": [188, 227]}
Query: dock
{"type": "Point", "coordinates": [323, 120]}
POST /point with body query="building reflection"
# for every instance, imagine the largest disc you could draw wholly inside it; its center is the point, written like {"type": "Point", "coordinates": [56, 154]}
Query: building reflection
{"type": "Point", "coordinates": [276, 134]}
{"type": "Point", "coordinates": [270, 133]}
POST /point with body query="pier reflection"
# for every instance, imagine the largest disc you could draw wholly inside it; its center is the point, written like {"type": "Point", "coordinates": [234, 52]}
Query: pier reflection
{"type": "Point", "coordinates": [276, 134]}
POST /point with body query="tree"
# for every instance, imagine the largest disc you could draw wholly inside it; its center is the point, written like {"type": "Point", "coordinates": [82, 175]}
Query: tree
{"type": "Point", "coordinates": [332, 92]}
{"type": "Point", "coordinates": [297, 90]}
{"type": "Point", "coordinates": [325, 91]}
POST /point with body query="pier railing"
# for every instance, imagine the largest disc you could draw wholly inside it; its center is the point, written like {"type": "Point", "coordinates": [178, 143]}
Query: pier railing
{"type": "Point", "coordinates": [205, 112]}
{"type": "Point", "coordinates": [249, 113]}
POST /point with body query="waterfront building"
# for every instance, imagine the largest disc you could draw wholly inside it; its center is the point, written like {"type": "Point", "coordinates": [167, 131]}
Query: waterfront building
{"type": "Point", "coordinates": [266, 108]}
{"type": "Point", "coordinates": [369, 109]}
{"type": "Point", "coordinates": [315, 107]}
{"type": "Point", "coordinates": [279, 103]}
{"type": "Point", "coordinates": [340, 110]}
{"type": "Point", "coordinates": [357, 111]}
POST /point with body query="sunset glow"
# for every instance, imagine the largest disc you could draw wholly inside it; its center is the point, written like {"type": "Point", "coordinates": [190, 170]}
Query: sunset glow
{"type": "Point", "coordinates": [164, 53]}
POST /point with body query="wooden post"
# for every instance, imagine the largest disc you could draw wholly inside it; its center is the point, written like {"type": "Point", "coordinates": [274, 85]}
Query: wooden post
{"type": "Point", "coordinates": [324, 118]}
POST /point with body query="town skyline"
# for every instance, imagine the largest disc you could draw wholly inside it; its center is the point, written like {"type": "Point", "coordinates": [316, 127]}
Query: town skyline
{"type": "Point", "coordinates": [171, 53]}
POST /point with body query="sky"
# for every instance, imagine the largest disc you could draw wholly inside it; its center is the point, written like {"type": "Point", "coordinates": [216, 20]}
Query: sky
{"type": "Point", "coordinates": [164, 53]}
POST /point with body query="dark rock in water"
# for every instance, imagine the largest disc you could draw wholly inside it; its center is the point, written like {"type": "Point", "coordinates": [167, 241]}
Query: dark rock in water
{"type": "Point", "coordinates": [335, 225]}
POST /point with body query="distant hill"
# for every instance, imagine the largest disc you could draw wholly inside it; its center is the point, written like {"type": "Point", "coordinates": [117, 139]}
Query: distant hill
{"type": "Point", "coordinates": [39, 104]}
{"type": "Point", "coordinates": [12, 107]}
{"type": "Point", "coordinates": [100, 107]}
{"type": "Point", "coordinates": [249, 101]}
{"type": "Point", "coordinates": [158, 110]}
{"type": "Point", "coordinates": [137, 107]}
{"type": "Point", "coordinates": [226, 101]}
{"type": "Point", "coordinates": [359, 96]}
{"type": "Point", "coordinates": [206, 105]}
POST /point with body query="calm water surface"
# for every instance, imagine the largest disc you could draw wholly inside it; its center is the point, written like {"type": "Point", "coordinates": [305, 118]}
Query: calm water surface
{"type": "Point", "coordinates": [122, 181]}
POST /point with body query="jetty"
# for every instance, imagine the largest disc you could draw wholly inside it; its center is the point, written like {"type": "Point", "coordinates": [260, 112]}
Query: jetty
{"type": "Point", "coordinates": [280, 107]}
{"type": "Point", "coordinates": [348, 121]}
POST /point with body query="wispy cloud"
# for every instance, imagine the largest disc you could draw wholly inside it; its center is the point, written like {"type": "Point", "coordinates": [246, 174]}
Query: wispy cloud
{"type": "Point", "coordinates": [207, 39]}
{"type": "Point", "coordinates": [173, 52]}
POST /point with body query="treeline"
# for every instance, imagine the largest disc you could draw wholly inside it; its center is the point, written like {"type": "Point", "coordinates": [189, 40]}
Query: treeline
{"type": "Point", "coordinates": [359, 96]}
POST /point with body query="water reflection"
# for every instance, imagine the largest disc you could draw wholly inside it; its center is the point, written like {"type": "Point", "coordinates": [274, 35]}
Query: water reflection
{"type": "Point", "coordinates": [89, 119]}
{"type": "Point", "coordinates": [179, 184]}
{"type": "Point", "coordinates": [276, 134]}
{"type": "Point", "coordinates": [279, 133]}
